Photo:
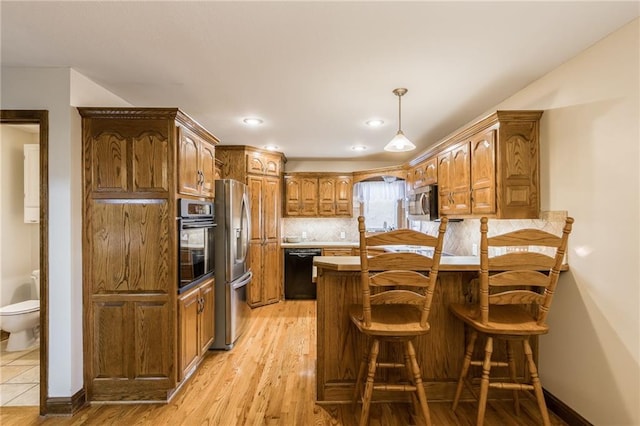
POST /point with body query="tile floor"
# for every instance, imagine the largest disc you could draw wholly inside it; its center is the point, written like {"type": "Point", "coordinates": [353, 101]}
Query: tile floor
{"type": "Point", "coordinates": [19, 376]}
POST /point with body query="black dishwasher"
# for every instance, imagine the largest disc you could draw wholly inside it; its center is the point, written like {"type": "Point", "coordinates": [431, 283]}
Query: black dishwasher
{"type": "Point", "coordinates": [298, 272]}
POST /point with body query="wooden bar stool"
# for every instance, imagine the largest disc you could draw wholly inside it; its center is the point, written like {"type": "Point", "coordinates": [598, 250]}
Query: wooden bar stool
{"type": "Point", "coordinates": [397, 289]}
{"type": "Point", "coordinates": [510, 308]}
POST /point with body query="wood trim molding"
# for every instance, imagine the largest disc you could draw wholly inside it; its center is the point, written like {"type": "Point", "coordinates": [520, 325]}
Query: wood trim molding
{"type": "Point", "coordinates": [41, 118]}
{"type": "Point", "coordinates": [563, 411]}
{"type": "Point", "coordinates": [66, 405]}
{"type": "Point", "coordinates": [470, 129]}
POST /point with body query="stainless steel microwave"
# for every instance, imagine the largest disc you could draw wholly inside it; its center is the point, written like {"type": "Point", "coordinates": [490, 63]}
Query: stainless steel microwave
{"type": "Point", "coordinates": [423, 203]}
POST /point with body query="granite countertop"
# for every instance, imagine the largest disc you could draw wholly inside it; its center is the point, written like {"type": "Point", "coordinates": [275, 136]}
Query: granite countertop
{"type": "Point", "coordinates": [320, 244]}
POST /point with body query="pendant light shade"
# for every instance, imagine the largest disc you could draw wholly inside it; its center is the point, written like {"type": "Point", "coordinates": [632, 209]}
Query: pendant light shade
{"type": "Point", "coordinates": [399, 143]}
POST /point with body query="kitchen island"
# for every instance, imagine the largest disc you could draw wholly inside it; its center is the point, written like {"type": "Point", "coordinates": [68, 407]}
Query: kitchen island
{"type": "Point", "coordinates": [440, 352]}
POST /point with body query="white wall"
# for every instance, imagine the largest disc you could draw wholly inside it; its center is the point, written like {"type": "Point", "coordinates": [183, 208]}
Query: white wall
{"type": "Point", "coordinates": [54, 89]}
{"type": "Point", "coordinates": [590, 158]}
{"type": "Point", "coordinates": [19, 240]}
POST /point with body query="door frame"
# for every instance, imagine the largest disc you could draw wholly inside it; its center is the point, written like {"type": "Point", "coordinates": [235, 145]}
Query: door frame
{"type": "Point", "coordinates": [41, 118]}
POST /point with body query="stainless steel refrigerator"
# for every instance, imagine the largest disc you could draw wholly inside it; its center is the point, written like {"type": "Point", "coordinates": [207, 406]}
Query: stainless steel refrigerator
{"type": "Point", "coordinates": [232, 271]}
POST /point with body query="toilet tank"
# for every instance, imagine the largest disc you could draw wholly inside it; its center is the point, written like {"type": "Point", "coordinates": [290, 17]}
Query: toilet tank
{"type": "Point", "coordinates": [35, 276]}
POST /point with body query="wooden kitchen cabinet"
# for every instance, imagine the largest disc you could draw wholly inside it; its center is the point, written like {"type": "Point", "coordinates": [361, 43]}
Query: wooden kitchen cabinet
{"type": "Point", "coordinates": [264, 195]}
{"type": "Point", "coordinates": [196, 165]}
{"type": "Point", "coordinates": [335, 196]}
{"type": "Point", "coordinates": [261, 171]}
{"type": "Point", "coordinates": [425, 173]}
{"type": "Point", "coordinates": [301, 196]}
{"type": "Point", "coordinates": [483, 173]}
{"type": "Point", "coordinates": [129, 243]}
{"type": "Point", "coordinates": [318, 195]}
{"type": "Point", "coordinates": [195, 326]}
{"type": "Point", "coordinates": [453, 179]}
{"type": "Point", "coordinates": [491, 168]}
{"type": "Point", "coordinates": [334, 251]}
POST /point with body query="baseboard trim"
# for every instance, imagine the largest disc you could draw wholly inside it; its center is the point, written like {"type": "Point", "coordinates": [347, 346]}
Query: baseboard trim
{"type": "Point", "coordinates": [66, 406]}
{"type": "Point", "coordinates": [563, 411]}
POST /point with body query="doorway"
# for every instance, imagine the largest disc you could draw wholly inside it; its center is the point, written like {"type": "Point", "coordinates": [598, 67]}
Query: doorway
{"type": "Point", "coordinates": [39, 118]}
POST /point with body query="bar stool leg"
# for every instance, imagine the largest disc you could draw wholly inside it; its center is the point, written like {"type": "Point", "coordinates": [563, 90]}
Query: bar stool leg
{"type": "Point", "coordinates": [512, 372]}
{"type": "Point", "coordinates": [465, 368]}
{"type": "Point", "coordinates": [407, 363]}
{"type": "Point", "coordinates": [417, 379]}
{"type": "Point", "coordinates": [535, 380]}
{"type": "Point", "coordinates": [484, 382]}
{"type": "Point", "coordinates": [368, 390]}
{"type": "Point", "coordinates": [361, 370]}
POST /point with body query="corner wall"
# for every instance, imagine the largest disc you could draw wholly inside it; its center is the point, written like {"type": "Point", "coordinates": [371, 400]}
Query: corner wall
{"type": "Point", "coordinates": [55, 89]}
{"type": "Point", "coordinates": [590, 162]}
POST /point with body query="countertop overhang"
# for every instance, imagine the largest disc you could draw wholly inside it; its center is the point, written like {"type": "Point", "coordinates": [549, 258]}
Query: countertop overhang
{"type": "Point", "coordinates": [352, 263]}
{"type": "Point", "coordinates": [447, 263]}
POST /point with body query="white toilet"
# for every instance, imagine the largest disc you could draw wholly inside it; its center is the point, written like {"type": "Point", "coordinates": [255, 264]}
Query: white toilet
{"type": "Point", "coordinates": [21, 319]}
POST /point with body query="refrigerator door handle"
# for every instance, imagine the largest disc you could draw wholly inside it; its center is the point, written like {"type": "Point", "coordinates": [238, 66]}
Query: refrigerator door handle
{"type": "Point", "coordinates": [242, 281]}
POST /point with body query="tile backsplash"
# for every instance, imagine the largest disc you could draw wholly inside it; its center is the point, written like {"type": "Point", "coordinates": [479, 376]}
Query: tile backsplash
{"type": "Point", "coordinates": [459, 238]}
{"type": "Point", "coordinates": [321, 229]}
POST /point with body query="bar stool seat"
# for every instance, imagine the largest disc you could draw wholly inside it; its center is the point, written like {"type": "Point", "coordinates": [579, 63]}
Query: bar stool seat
{"type": "Point", "coordinates": [503, 319]}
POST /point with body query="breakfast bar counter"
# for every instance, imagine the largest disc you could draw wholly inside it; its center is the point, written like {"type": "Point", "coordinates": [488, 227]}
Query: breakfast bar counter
{"type": "Point", "coordinates": [440, 352]}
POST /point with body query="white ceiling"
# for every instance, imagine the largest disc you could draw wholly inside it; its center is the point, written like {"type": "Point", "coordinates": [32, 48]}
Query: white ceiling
{"type": "Point", "coordinates": [314, 71]}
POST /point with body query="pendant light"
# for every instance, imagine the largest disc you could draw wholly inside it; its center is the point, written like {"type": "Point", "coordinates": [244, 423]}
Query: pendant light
{"type": "Point", "coordinates": [400, 143]}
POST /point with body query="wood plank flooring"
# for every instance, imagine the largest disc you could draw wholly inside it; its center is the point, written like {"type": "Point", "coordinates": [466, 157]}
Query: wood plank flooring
{"type": "Point", "coordinates": [267, 379]}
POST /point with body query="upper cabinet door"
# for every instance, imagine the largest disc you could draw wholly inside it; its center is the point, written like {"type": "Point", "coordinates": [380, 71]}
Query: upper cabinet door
{"type": "Point", "coordinates": [309, 195]}
{"type": "Point", "coordinates": [431, 171]}
{"type": "Point", "coordinates": [196, 165]}
{"type": "Point", "coordinates": [459, 179]}
{"type": "Point", "coordinates": [444, 190]}
{"type": "Point", "coordinates": [207, 163]}
{"type": "Point", "coordinates": [344, 196]}
{"type": "Point", "coordinates": [293, 197]}
{"type": "Point", "coordinates": [108, 156]}
{"type": "Point", "coordinates": [188, 172]}
{"type": "Point", "coordinates": [150, 154]}
{"type": "Point", "coordinates": [327, 196]}
{"type": "Point", "coordinates": [483, 173]}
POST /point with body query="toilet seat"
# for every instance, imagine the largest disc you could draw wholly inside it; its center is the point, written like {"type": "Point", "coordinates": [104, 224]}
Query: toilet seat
{"type": "Point", "coordinates": [20, 308]}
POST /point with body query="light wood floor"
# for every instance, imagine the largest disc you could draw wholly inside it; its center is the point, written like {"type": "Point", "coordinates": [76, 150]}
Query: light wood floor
{"type": "Point", "coordinates": [267, 379]}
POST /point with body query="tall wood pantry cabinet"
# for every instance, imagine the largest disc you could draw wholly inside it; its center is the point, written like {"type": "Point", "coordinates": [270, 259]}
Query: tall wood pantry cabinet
{"type": "Point", "coordinates": [261, 170]}
{"type": "Point", "coordinates": [135, 166]}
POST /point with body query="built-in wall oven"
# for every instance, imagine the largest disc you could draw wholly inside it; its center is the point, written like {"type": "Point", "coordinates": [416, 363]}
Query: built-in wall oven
{"type": "Point", "coordinates": [196, 242]}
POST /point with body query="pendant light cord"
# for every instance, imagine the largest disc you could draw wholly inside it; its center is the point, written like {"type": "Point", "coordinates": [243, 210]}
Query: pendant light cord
{"type": "Point", "coordinates": [400, 113]}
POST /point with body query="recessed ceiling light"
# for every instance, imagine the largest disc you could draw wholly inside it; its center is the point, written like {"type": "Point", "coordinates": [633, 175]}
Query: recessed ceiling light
{"type": "Point", "coordinates": [271, 147]}
{"type": "Point", "coordinates": [358, 147]}
{"type": "Point", "coordinates": [375, 123]}
{"type": "Point", "coordinates": [253, 121]}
